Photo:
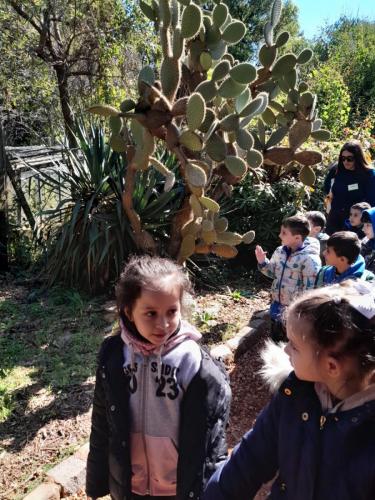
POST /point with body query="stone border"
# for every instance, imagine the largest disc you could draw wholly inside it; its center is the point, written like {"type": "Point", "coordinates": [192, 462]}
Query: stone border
{"type": "Point", "coordinates": [66, 478]}
{"type": "Point", "coordinates": [233, 348]}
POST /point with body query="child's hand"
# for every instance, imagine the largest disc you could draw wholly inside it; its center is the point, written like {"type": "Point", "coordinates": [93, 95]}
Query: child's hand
{"type": "Point", "coordinates": [260, 254]}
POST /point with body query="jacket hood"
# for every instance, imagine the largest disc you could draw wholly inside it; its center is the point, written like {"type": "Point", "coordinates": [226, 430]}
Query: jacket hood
{"type": "Point", "coordinates": [275, 365]}
{"type": "Point", "coordinates": [276, 368]}
{"type": "Point", "coordinates": [310, 246]}
{"type": "Point", "coordinates": [355, 270]}
{"type": "Point", "coordinates": [322, 236]}
{"type": "Point", "coordinates": [371, 213]}
{"type": "Point", "coordinates": [136, 344]}
{"type": "Point", "coordinates": [184, 331]}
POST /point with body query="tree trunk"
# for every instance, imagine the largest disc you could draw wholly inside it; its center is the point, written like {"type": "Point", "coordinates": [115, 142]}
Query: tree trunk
{"type": "Point", "coordinates": [62, 82]}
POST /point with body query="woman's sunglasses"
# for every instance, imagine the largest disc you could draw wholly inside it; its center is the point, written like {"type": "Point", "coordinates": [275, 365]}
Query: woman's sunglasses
{"type": "Point", "coordinates": [350, 159]}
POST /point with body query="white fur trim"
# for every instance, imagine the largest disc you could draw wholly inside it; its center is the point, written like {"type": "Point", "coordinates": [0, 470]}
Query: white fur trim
{"type": "Point", "coordinates": [276, 365]}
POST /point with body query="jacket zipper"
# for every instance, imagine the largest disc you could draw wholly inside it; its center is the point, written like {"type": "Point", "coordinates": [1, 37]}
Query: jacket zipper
{"type": "Point", "coordinates": [282, 275]}
{"type": "Point", "coordinates": [143, 413]}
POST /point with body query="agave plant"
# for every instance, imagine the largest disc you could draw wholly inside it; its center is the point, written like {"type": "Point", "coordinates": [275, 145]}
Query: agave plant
{"type": "Point", "coordinates": [221, 118]}
{"type": "Point", "coordinates": [88, 235]}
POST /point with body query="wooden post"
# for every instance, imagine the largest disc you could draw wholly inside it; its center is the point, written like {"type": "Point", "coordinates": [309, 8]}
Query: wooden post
{"type": "Point", "coordinates": [3, 207]}
{"type": "Point", "coordinates": [16, 183]}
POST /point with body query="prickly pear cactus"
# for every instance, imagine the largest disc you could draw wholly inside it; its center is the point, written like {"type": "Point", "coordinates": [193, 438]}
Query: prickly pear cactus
{"type": "Point", "coordinates": [220, 117]}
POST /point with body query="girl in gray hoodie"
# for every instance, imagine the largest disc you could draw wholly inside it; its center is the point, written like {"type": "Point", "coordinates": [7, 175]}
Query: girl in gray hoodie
{"type": "Point", "coordinates": [161, 403]}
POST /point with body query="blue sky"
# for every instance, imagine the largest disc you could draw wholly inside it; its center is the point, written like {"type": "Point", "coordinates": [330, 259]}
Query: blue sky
{"type": "Point", "coordinates": [313, 14]}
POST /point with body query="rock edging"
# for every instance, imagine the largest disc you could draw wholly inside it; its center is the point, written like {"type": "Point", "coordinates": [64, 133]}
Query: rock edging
{"type": "Point", "coordinates": [64, 479]}
{"type": "Point", "coordinates": [245, 338]}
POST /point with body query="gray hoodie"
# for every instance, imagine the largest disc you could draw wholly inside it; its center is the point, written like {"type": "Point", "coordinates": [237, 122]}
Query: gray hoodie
{"type": "Point", "coordinates": [159, 379]}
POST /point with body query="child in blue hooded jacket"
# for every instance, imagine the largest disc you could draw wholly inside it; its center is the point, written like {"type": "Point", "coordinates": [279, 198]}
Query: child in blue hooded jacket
{"type": "Point", "coordinates": [368, 244]}
{"type": "Point", "coordinates": [316, 437]}
{"type": "Point", "coordinates": [354, 223]}
{"type": "Point", "coordinates": [343, 259]}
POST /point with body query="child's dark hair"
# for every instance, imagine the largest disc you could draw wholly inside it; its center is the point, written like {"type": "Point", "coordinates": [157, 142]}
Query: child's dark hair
{"type": "Point", "coordinates": [363, 205]}
{"type": "Point", "coordinates": [366, 218]}
{"type": "Point", "coordinates": [316, 218]}
{"type": "Point", "coordinates": [297, 224]}
{"type": "Point", "coordinates": [146, 272]}
{"type": "Point", "coordinates": [345, 244]}
{"type": "Point", "coordinates": [336, 326]}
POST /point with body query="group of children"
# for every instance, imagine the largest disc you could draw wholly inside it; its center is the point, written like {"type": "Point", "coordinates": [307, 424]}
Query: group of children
{"type": "Point", "coordinates": [161, 402]}
{"type": "Point", "coordinates": [296, 265]}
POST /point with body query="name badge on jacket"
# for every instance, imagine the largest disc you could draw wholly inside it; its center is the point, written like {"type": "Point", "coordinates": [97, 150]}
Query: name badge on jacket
{"type": "Point", "coordinates": [352, 187]}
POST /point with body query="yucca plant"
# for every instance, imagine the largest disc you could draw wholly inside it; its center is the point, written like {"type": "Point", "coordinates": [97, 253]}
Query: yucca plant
{"type": "Point", "coordinates": [87, 234]}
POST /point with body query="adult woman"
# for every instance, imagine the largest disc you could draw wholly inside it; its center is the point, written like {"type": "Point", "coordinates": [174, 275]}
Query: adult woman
{"type": "Point", "coordinates": [351, 180]}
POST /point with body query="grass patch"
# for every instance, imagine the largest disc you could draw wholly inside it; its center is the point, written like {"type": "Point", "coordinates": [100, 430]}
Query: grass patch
{"type": "Point", "coordinates": [47, 341]}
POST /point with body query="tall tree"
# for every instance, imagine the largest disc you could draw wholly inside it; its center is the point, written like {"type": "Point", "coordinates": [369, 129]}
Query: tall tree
{"type": "Point", "coordinates": [82, 44]}
{"type": "Point", "coordinates": [349, 47]}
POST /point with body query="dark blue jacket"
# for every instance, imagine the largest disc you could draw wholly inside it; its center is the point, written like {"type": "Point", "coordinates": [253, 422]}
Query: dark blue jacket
{"type": "Point", "coordinates": [328, 274]}
{"type": "Point", "coordinates": [355, 229]}
{"type": "Point", "coordinates": [345, 196]}
{"type": "Point", "coordinates": [368, 247]}
{"type": "Point", "coordinates": [315, 455]}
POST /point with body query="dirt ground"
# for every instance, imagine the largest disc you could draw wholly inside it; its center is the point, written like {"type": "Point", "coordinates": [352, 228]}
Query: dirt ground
{"type": "Point", "coordinates": [36, 437]}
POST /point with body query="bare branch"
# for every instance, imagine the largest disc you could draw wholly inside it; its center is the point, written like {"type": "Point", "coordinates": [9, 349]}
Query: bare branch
{"type": "Point", "coordinates": [28, 17]}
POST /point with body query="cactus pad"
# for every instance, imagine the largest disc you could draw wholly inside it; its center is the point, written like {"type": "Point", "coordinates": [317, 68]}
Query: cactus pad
{"type": "Point", "coordinates": [220, 71]}
{"type": "Point", "coordinates": [254, 158]}
{"type": "Point", "coordinates": [191, 21]}
{"type": "Point", "coordinates": [195, 111]}
{"type": "Point", "coordinates": [308, 157]}
{"type": "Point", "coordinates": [235, 165]}
{"type": "Point", "coordinates": [243, 73]}
{"type": "Point", "coordinates": [307, 176]}
{"type": "Point", "coordinates": [299, 133]}
{"type": "Point", "coordinates": [230, 88]}
{"type": "Point", "coordinates": [207, 89]}
{"type": "Point", "coordinates": [248, 237]}
{"type": "Point", "coordinates": [234, 32]}
{"type": "Point", "coordinates": [305, 56]}
{"type": "Point", "coordinates": [225, 251]}
{"type": "Point", "coordinates": [196, 176]}
{"type": "Point", "coordinates": [220, 14]}
{"type": "Point", "coordinates": [321, 135]}
{"type": "Point", "coordinates": [211, 205]}
{"type": "Point", "coordinates": [191, 140]}
{"type": "Point", "coordinates": [103, 110]}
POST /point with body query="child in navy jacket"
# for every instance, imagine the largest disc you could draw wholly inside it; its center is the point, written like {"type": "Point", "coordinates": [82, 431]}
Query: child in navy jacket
{"type": "Point", "coordinates": [354, 223]}
{"type": "Point", "coordinates": [368, 244]}
{"type": "Point", "coordinates": [317, 435]}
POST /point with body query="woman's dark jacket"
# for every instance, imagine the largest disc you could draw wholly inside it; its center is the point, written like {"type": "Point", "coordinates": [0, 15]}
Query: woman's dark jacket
{"type": "Point", "coordinates": [349, 187]}
{"type": "Point", "coordinates": [314, 455]}
{"type": "Point", "coordinates": [202, 444]}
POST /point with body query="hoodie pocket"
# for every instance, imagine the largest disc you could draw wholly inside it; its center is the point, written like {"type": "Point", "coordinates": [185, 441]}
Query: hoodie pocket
{"type": "Point", "coordinates": [163, 457]}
